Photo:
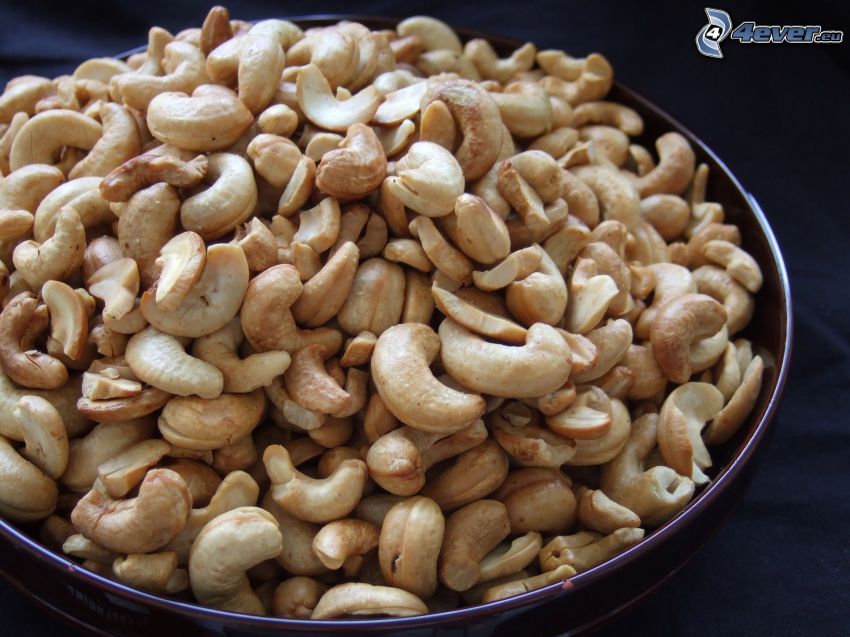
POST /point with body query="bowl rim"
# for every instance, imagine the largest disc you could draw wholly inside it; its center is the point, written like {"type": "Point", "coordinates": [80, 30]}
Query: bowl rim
{"type": "Point", "coordinates": [711, 492]}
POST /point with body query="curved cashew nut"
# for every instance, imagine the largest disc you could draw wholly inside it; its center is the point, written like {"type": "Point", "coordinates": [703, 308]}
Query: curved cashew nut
{"type": "Point", "coordinates": [598, 512]}
{"type": "Point", "coordinates": [434, 34]}
{"type": "Point", "coordinates": [341, 540]}
{"type": "Point", "coordinates": [476, 320]}
{"type": "Point", "coordinates": [43, 136]}
{"type": "Point", "coordinates": [146, 223]}
{"type": "Point", "coordinates": [58, 257]}
{"type": "Point", "coordinates": [470, 534]}
{"type": "Point", "coordinates": [655, 494]}
{"type": "Point", "coordinates": [26, 493]}
{"type": "Point", "coordinates": [743, 267]}
{"type": "Point", "coordinates": [596, 451]}
{"type": "Point", "coordinates": [310, 385]}
{"type": "Point", "coordinates": [228, 546]}
{"type": "Point", "coordinates": [611, 342]}
{"type": "Point", "coordinates": [610, 114]}
{"type": "Point", "coordinates": [429, 180]}
{"type": "Point", "coordinates": [540, 366]}
{"type": "Point", "coordinates": [255, 60]}
{"type": "Point", "coordinates": [213, 118]}
{"type": "Point", "coordinates": [474, 474]}
{"type": "Point", "coordinates": [228, 202]}
{"type": "Point", "coordinates": [506, 559]}
{"type": "Point", "coordinates": [297, 596]}
{"type": "Point", "coordinates": [69, 325]}
{"type": "Point", "coordinates": [310, 499]}
{"type": "Point", "coordinates": [674, 170]}
{"type": "Point", "coordinates": [183, 65]}
{"type": "Point", "coordinates": [322, 108]}
{"type": "Point", "coordinates": [484, 58]}
{"type": "Point", "coordinates": [525, 109]}
{"type": "Point", "coordinates": [211, 303]}
{"type": "Point", "coordinates": [139, 525]}
{"type": "Point", "coordinates": [679, 324]}
{"type": "Point", "coordinates": [398, 459]}
{"type": "Point", "coordinates": [159, 359]}
{"type": "Point", "coordinates": [23, 191]}
{"type": "Point", "coordinates": [670, 282]}
{"type": "Point", "coordinates": [44, 433]}
{"type": "Point", "coordinates": [668, 214]}
{"type": "Point", "coordinates": [211, 423]}
{"type": "Point", "coordinates": [238, 489]}
{"type": "Point", "coordinates": [409, 545]}
{"type": "Point", "coordinates": [541, 297]}
{"type": "Point", "coordinates": [477, 117]}
{"type": "Point", "coordinates": [729, 419]}
{"type": "Point", "coordinates": [22, 94]}
{"type": "Point", "coordinates": [155, 572]}
{"type": "Point", "coordinates": [240, 375]}
{"type": "Point", "coordinates": [120, 142]}
{"type": "Point", "coordinates": [359, 599]}
{"type": "Point", "coordinates": [400, 370]}
{"type": "Point", "coordinates": [266, 318]}
{"type": "Point", "coordinates": [23, 365]}
{"type": "Point", "coordinates": [356, 168]}
{"type": "Point", "coordinates": [538, 500]}
{"type": "Point", "coordinates": [297, 555]}
{"type": "Point", "coordinates": [683, 416]}
{"type": "Point", "coordinates": [325, 293]}
{"type": "Point", "coordinates": [145, 170]}
{"type": "Point", "coordinates": [720, 285]}
{"type": "Point", "coordinates": [585, 550]}
{"type": "Point", "coordinates": [618, 198]}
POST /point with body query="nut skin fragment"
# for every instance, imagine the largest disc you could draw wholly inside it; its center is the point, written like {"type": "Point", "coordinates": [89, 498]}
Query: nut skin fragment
{"type": "Point", "coordinates": [410, 391]}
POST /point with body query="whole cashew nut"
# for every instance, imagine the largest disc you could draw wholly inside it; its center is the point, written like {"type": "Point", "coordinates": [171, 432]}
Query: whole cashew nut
{"type": "Point", "coordinates": [400, 370]}
{"type": "Point", "coordinates": [26, 493]}
{"type": "Point", "coordinates": [540, 366]}
{"type": "Point", "coordinates": [228, 546]}
{"type": "Point", "coordinates": [141, 524]}
{"type": "Point", "coordinates": [19, 361]}
{"type": "Point", "coordinates": [41, 138]}
{"type": "Point", "coordinates": [359, 599]}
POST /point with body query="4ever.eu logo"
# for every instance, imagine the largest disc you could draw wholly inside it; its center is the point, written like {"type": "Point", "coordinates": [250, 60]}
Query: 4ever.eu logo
{"type": "Point", "coordinates": [719, 27]}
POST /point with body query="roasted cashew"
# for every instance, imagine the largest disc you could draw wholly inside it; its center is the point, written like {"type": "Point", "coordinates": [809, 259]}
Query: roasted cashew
{"type": "Point", "coordinates": [183, 66]}
{"type": "Point", "coordinates": [237, 489]}
{"type": "Point", "coordinates": [491, 67]}
{"type": "Point", "coordinates": [541, 297]}
{"type": "Point", "coordinates": [342, 542]}
{"type": "Point", "coordinates": [538, 367]}
{"type": "Point", "coordinates": [323, 109]}
{"type": "Point", "coordinates": [228, 546]}
{"type": "Point", "coordinates": [729, 419]}
{"type": "Point", "coordinates": [297, 596]}
{"type": "Point", "coordinates": [679, 324]}
{"type": "Point", "coordinates": [400, 370]}
{"type": "Point", "coordinates": [240, 375]}
{"type": "Point", "coordinates": [618, 198]}
{"type": "Point", "coordinates": [211, 303]}
{"type": "Point", "coordinates": [359, 599]}
{"type": "Point", "coordinates": [474, 474]}
{"type": "Point", "coordinates": [228, 202]}
{"type": "Point", "coordinates": [524, 108]}
{"type": "Point", "coordinates": [154, 572]}
{"type": "Point", "coordinates": [119, 142]}
{"type": "Point", "coordinates": [211, 119]}
{"type": "Point", "coordinates": [538, 499]}
{"type": "Point", "coordinates": [200, 423]}
{"type": "Point", "coordinates": [58, 257]}
{"type": "Point", "coordinates": [160, 360]}
{"type": "Point", "coordinates": [356, 168]}
{"type": "Point", "coordinates": [675, 168]}
{"type": "Point", "coordinates": [409, 545]}
{"type": "Point", "coordinates": [43, 136]}
{"type": "Point", "coordinates": [21, 363]}
{"type": "Point", "coordinates": [69, 325]}
{"type": "Point", "coordinates": [478, 120]}
{"type": "Point", "coordinates": [310, 499]}
{"type": "Point", "coordinates": [145, 170]}
{"type": "Point", "coordinates": [26, 493]}
{"type": "Point", "coordinates": [470, 534]}
{"type": "Point", "coordinates": [585, 550]}
{"type": "Point", "coordinates": [429, 180]}
{"type": "Point", "coordinates": [139, 525]}
{"type": "Point", "coordinates": [121, 473]}
{"type": "Point", "coordinates": [44, 434]}
{"type": "Point", "coordinates": [655, 494]}
{"type": "Point", "coordinates": [527, 584]}
{"type": "Point", "coordinates": [266, 318]}
{"type": "Point", "coordinates": [598, 512]}
{"type": "Point", "coordinates": [683, 416]}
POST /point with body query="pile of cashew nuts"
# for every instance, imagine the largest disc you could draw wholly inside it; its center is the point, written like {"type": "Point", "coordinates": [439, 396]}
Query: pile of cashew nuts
{"type": "Point", "coordinates": [342, 322]}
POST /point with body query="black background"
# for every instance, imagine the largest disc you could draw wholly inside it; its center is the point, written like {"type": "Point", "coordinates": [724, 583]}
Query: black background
{"type": "Point", "coordinates": [779, 116]}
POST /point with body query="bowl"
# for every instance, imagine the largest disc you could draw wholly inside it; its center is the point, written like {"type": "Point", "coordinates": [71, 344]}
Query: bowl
{"type": "Point", "coordinates": [98, 606]}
